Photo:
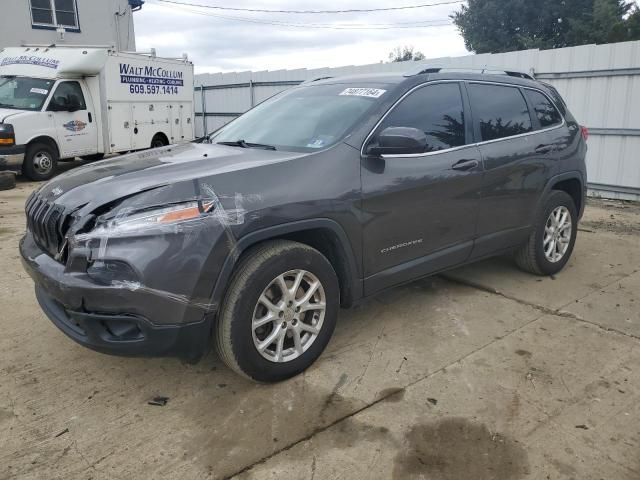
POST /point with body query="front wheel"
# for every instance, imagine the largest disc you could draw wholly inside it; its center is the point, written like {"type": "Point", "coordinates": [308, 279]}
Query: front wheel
{"type": "Point", "coordinates": [40, 161]}
{"type": "Point", "coordinates": [279, 312]}
{"type": "Point", "coordinates": [551, 243]}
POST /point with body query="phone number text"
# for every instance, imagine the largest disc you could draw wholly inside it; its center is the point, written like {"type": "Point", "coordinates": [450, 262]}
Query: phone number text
{"type": "Point", "coordinates": [153, 90]}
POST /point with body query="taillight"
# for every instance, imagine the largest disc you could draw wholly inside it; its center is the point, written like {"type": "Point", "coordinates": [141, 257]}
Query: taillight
{"type": "Point", "coordinates": [585, 132]}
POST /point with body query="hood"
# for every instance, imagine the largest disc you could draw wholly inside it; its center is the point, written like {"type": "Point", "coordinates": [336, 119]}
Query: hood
{"type": "Point", "coordinates": [105, 181]}
{"type": "Point", "coordinates": [5, 113]}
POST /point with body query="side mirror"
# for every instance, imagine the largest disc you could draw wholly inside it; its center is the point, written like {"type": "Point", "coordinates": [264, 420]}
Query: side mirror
{"type": "Point", "coordinates": [73, 104]}
{"type": "Point", "coordinates": [59, 104]}
{"type": "Point", "coordinates": [399, 141]}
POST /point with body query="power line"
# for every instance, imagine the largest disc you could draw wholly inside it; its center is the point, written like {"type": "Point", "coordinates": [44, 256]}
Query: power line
{"type": "Point", "coordinates": [305, 12]}
{"type": "Point", "coordinates": [389, 26]}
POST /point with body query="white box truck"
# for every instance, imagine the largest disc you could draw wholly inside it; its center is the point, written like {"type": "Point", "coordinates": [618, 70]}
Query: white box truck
{"type": "Point", "coordinates": [62, 102]}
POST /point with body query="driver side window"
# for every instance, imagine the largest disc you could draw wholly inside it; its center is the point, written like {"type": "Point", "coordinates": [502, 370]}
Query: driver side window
{"type": "Point", "coordinates": [437, 110]}
{"type": "Point", "coordinates": [67, 94]}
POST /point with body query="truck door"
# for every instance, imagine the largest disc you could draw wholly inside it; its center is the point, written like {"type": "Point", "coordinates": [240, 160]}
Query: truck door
{"type": "Point", "coordinates": [74, 120]}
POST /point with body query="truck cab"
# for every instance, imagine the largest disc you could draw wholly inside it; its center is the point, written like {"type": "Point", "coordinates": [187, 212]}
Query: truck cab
{"type": "Point", "coordinates": [59, 103]}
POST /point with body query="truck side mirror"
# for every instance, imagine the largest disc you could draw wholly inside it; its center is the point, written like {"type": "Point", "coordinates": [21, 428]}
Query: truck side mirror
{"type": "Point", "coordinates": [58, 103]}
{"type": "Point", "coordinates": [73, 104]}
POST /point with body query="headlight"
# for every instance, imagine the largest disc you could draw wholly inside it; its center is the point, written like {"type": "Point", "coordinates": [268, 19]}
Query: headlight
{"type": "Point", "coordinates": [129, 222]}
{"type": "Point", "coordinates": [7, 137]}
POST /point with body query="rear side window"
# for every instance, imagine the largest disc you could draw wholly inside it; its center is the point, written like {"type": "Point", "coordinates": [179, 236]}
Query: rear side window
{"type": "Point", "coordinates": [547, 114]}
{"type": "Point", "coordinates": [437, 110]}
{"type": "Point", "coordinates": [560, 103]}
{"type": "Point", "coordinates": [501, 111]}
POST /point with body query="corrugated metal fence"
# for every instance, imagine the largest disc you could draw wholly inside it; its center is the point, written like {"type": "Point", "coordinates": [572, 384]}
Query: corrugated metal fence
{"type": "Point", "coordinates": [601, 84]}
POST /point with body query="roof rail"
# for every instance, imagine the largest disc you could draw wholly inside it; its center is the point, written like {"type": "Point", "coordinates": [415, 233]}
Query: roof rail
{"type": "Point", "coordinates": [424, 69]}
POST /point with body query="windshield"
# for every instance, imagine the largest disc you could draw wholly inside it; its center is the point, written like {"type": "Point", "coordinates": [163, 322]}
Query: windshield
{"type": "Point", "coordinates": [23, 93]}
{"type": "Point", "coordinates": [302, 119]}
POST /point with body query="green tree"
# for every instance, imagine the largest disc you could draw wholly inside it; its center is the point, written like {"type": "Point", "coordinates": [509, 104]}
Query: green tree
{"type": "Point", "coordinates": [492, 26]}
{"type": "Point", "coordinates": [633, 23]}
{"type": "Point", "coordinates": [404, 54]}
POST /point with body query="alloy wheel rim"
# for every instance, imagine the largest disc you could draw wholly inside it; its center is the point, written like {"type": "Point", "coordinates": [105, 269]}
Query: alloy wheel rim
{"type": "Point", "coordinates": [42, 162]}
{"type": "Point", "coordinates": [557, 234]}
{"type": "Point", "coordinates": [288, 316]}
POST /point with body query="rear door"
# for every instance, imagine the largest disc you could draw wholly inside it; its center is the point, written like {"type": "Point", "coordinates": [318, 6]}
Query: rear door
{"type": "Point", "coordinates": [516, 164]}
{"type": "Point", "coordinates": [420, 209]}
{"type": "Point", "coordinates": [555, 136]}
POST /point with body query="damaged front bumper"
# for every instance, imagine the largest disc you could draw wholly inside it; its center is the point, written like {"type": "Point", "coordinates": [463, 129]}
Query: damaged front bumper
{"type": "Point", "coordinates": [118, 318]}
{"type": "Point", "coordinates": [12, 157]}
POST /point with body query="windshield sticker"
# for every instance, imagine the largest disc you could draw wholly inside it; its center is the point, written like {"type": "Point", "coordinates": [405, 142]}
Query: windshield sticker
{"type": "Point", "coordinates": [41, 91]}
{"type": "Point", "coordinates": [30, 60]}
{"type": "Point", "coordinates": [364, 92]}
{"type": "Point", "coordinates": [316, 143]}
{"type": "Point", "coordinates": [320, 141]}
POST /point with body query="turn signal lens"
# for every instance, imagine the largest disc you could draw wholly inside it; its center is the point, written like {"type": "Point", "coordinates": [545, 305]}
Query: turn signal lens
{"type": "Point", "coordinates": [7, 141]}
{"type": "Point", "coordinates": [585, 133]}
{"type": "Point", "coordinates": [184, 214]}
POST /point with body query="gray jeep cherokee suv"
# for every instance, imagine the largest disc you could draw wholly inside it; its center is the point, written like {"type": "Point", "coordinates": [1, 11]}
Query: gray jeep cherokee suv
{"type": "Point", "coordinates": [253, 237]}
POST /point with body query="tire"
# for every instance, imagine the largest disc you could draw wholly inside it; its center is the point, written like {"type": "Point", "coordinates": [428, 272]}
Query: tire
{"type": "Point", "coordinates": [237, 340]}
{"type": "Point", "coordinates": [158, 141]}
{"type": "Point", "coordinates": [7, 180]}
{"type": "Point", "coordinates": [40, 162]}
{"type": "Point", "coordinates": [531, 257]}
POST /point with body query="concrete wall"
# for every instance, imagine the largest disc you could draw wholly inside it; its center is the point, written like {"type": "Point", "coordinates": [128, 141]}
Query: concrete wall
{"type": "Point", "coordinates": [601, 84]}
{"type": "Point", "coordinates": [102, 22]}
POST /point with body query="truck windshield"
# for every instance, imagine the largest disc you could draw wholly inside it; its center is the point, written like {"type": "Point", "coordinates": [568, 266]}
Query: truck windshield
{"type": "Point", "coordinates": [303, 119]}
{"type": "Point", "coordinates": [23, 93]}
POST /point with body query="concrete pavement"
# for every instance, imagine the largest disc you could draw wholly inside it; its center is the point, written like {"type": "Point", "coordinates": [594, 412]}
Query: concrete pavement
{"type": "Point", "coordinates": [485, 373]}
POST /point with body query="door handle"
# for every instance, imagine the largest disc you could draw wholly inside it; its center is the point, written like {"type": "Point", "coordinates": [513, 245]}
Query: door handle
{"type": "Point", "coordinates": [544, 149]}
{"type": "Point", "coordinates": [464, 165]}
{"type": "Point", "coordinates": [90, 117]}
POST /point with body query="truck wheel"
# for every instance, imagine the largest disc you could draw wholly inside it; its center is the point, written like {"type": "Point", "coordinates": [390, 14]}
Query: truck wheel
{"type": "Point", "coordinates": [7, 180]}
{"type": "Point", "coordinates": [40, 162]}
{"type": "Point", "coordinates": [279, 312]}
{"type": "Point", "coordinates": [551, 243]}
{"type": "Point", "coordinates": [158, 141]}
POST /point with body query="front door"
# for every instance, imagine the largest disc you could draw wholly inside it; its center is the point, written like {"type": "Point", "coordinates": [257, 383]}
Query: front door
{"type": "Point", "coordinates": [420, 210]}
{"type": "Point", "coordinates": [74, 120]}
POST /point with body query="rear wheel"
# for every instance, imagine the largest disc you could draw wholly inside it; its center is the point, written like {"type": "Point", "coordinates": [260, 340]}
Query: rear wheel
{"type": "Point", "coordinates": [551, 243]}
{"type": "Point", "coordinates": [279, 312]}
{"type": "Point", "coordinates": [159, 140]}
{"type": "Point", "coordinates": [40, 162]}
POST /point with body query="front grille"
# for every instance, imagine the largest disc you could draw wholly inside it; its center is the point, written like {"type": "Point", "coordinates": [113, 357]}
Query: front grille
{"type": "Point", "coordinates": [47, 222]}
